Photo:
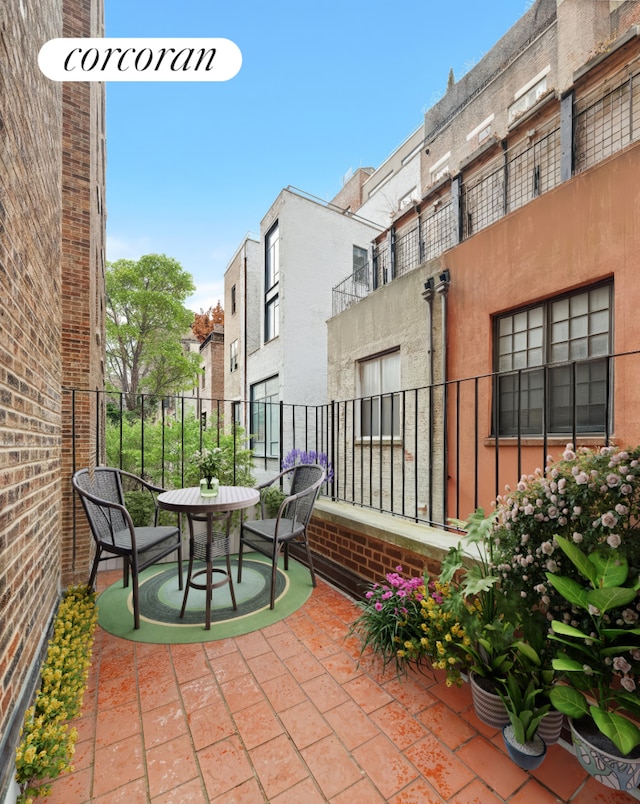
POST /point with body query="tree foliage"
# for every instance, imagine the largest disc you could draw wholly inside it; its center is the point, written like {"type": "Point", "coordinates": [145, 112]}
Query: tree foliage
{"type": "Point", "coordinates": [204, 322]}
{"type": "Point", "coordinates": [146, 321]}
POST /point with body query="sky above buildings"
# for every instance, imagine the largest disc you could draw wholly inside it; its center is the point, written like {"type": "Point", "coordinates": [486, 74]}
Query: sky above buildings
{"type": "Point", "coordinates": [324, 88]}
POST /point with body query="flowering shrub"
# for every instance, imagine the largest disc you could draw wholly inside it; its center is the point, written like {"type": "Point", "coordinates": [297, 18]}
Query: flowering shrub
{"type": "Point", "coordinates": [47, 743]}
{"type": "Point", "coordinates": [591, 497]}
{"type": "Point", "coordinates": [209, 462]}
{"type": "Point", "coordinates": [297, 456]}
{"type": "Point", "coordinates": [403, 620]}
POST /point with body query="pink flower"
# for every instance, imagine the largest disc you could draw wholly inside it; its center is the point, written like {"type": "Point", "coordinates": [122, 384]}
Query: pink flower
{"type": "Point", "coordinates": [628, 683]}
{"type": "Point", "coordinates": [621, 664]}
{"type": "Point", "coordinates": [613, 540]}
{"type": "Point", "coordinates": [378, 606]}
{"type": "Point", "coordinates": [609, 520]}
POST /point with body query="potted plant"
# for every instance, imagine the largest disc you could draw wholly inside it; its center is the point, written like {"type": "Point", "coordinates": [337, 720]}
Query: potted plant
{"type": "Point", "coordinates": [488, 617]}
{"type": "Point", "coordinates": [522, 700]}
{"type": "Point", "coordinates": [599, 661]}
{"type": "Point", "coordinates": [209, 463]}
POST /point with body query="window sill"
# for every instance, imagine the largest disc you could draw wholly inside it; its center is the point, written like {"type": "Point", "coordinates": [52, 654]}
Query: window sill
{"type": "Point", "coordinates": [595, 440]}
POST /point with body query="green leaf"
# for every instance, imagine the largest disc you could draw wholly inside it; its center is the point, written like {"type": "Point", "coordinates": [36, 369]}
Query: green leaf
{"type": "Point", "coordinates": [611, 566]}
{"type": "Point", "coordinates": [577, 558]}
{"type": "Point", "coordinates": [566, 665]}
{"type": "Point", "coordinates": [610, 598]}
{"type": "Point", "coordinates": [559, 627]}
{"type": "Point", "coordinates": [569, 701]}
{"type": "Point", "coordinates": [569, 589]}
{"type": "Point", "coordinates": [624, 734]}
{"type": "Point", "coordinates": [528, 652]}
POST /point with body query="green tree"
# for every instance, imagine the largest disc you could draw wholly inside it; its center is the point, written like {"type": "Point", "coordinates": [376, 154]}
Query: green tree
{"type": "Point", "coordinates": [146, 321]}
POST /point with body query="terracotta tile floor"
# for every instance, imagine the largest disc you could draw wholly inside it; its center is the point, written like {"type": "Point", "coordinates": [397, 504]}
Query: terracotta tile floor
{"type": "Point", "coordinates": [287, 714]}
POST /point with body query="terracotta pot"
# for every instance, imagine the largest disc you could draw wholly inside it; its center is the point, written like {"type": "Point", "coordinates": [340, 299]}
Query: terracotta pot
{"type": "Point", "coordinates": [488, 705]}
{"type": "Point", "coordinates": [610, 769]}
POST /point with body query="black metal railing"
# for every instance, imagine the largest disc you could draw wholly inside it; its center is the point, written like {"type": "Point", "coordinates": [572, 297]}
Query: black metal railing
{"type": "Point", "coordinates": [605, 120]}
{"type": "Point", "coordinates": [431, 454]}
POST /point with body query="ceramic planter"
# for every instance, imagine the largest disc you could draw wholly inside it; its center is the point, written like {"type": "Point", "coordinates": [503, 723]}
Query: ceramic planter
{"type": "Point", "coordinates": [551, 726]}
{"type": "Point", "coordinates": [528, 756]}
{"type": "Point", "coordinates": [488, 705]}
{"type": "Point", "coordinates": [611, 770]}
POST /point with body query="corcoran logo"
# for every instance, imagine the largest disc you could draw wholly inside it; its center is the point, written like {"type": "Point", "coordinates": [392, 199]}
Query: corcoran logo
{"type": "Point", "coordinates": [148, 59]}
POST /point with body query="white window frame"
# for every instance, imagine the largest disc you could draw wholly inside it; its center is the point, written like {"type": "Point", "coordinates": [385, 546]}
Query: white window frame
{"type": "Point", "coordinates": [378, 385]}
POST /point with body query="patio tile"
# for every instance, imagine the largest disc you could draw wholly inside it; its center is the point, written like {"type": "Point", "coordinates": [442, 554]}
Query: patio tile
{"type": "Point", "coordinates": [478, 793]}
{"type": "Point", "coordinates": [304, 724]}
{"type": "Point", "coordinates": [491, 765]}
{"type": "Point", "coordinates": [224, 766]}
{"type": "Point", "coordinates": [418, 792]}
{"type": "Point", "coordinates": [385, 765]}
{"type": "Point", "coordinates": [440, 766]}
{"type": "Point", "coordinates": [117, 723]}
{"type": "Point", "coordinates": [218, 648]}
{"type": "Point", "coordinates": [246, 793]}
{"type": "Point", "coordinates": [325, 692]}
{"type": "Point", "coordinates": [560, 772]}
{"type": "Point", "coordinates": [286, 644]}
{"type": "Point", "coordinates": [242, 692]}
{"type": "Point", "coordinates": [452, 730]}
{"type": "Point", "coordinates": [456, 698]}
{"type": "Point", "coordinates": [118, 764]}
{"type": "Point", "coordinates": [83, 755]}
{"type": "Point", "coordinates": [199, 693]}
{"type": "Point", "coordinates": [278, 765]}
{"type": "Point", "coordinates": [191, 792]}
{"type": "Point", "coordinates": [129, 793]}
{"type": "Point", "coordinates": [189, 664]}
{"type": "Point", "coordinates": [399, 726]}
{"type": "Point", "coordinates": [283, 692]}
{"type": "Point", "coordinates": [331, 765]}
{"type": "Point", "coordinates": [367, 693]}
{"type": "Point", "coordinates": [252, 644]}
{"type": "Point", "coordinates": [351, 724]}
{"type": "Point", "coordinates": [86, 725]}
{"type": "Point", "coordinates": [363, 792]}
{"type": "Point", "coordinates": [74, 786]}
{"type": "Point", "coordinates": [266, 666]}
{"type": "Point", "coordinates": [229, 666]}
{"type": "Point", "coordinates": [304, 666]}
{"type": "Point", "coordinates": [170, 765]}
{"type": "Point", "coordinates": [595, 793]}
{"type": "Point", "coordinates": [163, 723]}
{"type": "Point", "coordinates": [210, 724]}
{"type": "Point", "coordinates": [411, 693]}
{"type": "Point", "coordinates": [305, 791]}
{"type": "Point", "coordinates": [257, 724]}
{"type": "Point", "coordinates": [116, 691]}
{"type": "Point", "coordinates": [158, 693]}
{"type": "Point", "coordinates": [341, 666]}
{"type": "Point", "coordinates": [534, 793]}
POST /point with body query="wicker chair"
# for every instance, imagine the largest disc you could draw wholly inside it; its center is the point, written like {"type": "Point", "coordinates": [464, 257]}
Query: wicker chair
{"type": "Point", "coordinates": [268, 536]}
{"type": "Point", "coordinates": [114, 532]}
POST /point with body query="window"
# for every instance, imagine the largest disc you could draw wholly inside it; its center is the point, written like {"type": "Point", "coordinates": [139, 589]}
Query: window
{"type": "Point", "coordinates": [552, 365]}
{"type": "Point", "coordinates": [204, 378]}
{"type": "Point", "coordinates": [233, 300]}
{"type": "Point", "coordinates": [233, 356]}
{"type": "Point", "coordinates": [529, 95]}
{"type": "Point", "coordinates": [440, 168]}
{"type": "Point", "coordinates": [265, 418]}
{"type": "Point", "coordinates": [360, 266]}
{"type": "Point", "coordinates": [271, 281]}
{"type": "Point", "coordinates": [379, 379]}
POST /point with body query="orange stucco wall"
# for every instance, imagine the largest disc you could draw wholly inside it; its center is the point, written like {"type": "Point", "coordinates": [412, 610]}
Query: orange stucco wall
{"type": "Point", "coordinates": [585, 230]}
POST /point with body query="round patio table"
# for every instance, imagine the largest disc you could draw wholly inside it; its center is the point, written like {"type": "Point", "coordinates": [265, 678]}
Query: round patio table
{"type": "Point", "coordinates": [213, 543]}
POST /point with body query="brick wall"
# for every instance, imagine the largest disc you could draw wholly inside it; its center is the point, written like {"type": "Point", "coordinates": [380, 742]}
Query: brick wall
{"type": "Point", "coordinates": [44, 267]}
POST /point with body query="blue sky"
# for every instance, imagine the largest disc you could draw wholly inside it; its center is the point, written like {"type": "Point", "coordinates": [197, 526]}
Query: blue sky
{"type": "Point", "coordinates": [324, 87]}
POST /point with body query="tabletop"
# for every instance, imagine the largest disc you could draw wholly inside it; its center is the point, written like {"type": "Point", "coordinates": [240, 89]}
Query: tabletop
{"type": "Point", "coordinates": [190, 501]}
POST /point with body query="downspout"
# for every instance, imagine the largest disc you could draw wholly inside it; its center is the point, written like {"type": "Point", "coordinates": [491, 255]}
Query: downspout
{"type": "Point", "coordinates": [427, 295]}
{"type": "Point", "coordinates": [442, 288]}
{"type": "Point", "coordinates": [247, 423]}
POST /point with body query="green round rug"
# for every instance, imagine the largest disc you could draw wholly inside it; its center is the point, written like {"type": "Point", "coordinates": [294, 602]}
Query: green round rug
{"type": "Point", "coordinates": [161, 600]}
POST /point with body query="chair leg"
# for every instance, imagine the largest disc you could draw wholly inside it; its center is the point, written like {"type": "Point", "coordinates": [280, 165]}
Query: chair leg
{"type": "Point", "coordinates": [94, 568]}
{"type": "Point", "coordinates": [180, 581]}
{"type": "Point", "coordinates": [240, 559]}
{"type": "Point", "coordinates": [231, 589]}
{"type": "Point", "coordinates": [136, 601]}
{"type": "Point", "coordinates": [188, 583]}
{"type": "Point", "coordinates": [311, 570]}
{"type": "Point", "coordinates": [274, 573]}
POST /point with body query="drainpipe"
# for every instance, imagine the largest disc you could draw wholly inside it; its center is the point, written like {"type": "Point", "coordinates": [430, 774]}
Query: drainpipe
{"type": "Point", "coordinates": [442, 288]}
{"type": "Point", "coordinates": [427, 295]}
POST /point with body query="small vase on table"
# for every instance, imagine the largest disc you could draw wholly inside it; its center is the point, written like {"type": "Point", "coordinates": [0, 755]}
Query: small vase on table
{"type": "Point", "coordinates": [209, 487]}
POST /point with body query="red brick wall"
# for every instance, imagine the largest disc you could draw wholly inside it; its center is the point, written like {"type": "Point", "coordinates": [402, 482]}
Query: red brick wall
{"type": "Point", "coordinates": [368, 557]}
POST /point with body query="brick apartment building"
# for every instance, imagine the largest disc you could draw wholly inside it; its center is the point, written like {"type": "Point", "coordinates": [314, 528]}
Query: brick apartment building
{"type": "Point", "coordinates": [52, 164]}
